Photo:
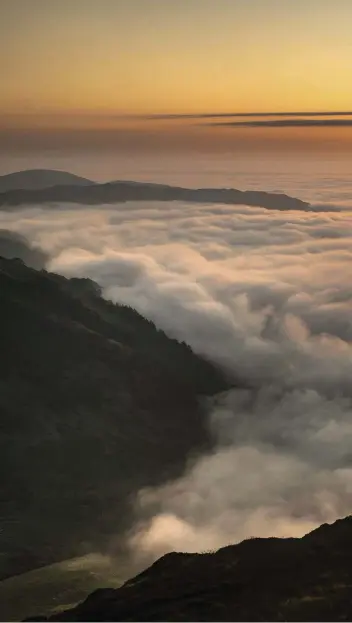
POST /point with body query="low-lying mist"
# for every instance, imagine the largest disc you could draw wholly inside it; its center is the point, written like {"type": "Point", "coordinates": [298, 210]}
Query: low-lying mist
{"type": "Point", "coordinates": [268, 296]}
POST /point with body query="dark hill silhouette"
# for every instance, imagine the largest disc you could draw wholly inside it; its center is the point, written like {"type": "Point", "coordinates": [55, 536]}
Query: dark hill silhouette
{"type": "Point", "coordinates": [306, 579]}
{"type": "Point", "coordinates": [90, 193]}
{"type": "Point", "coordinates": [33, 179]}
{"type": "Point", "coordinates": [95, 403]}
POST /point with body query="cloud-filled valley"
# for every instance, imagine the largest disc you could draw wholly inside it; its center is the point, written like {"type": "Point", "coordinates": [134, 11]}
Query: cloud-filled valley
{"type": "Point", "coordinates": [268, 296]}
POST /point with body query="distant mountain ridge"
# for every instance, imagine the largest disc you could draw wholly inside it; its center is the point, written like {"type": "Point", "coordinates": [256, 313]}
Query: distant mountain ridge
{"type": "Point", "coordinates": [86, 192]}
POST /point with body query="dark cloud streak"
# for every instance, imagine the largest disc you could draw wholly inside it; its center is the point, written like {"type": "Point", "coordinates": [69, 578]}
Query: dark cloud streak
{"type": "Point", "coordinates": [286, 123]}
{"type": "Point", "coordinates": [247, 114]}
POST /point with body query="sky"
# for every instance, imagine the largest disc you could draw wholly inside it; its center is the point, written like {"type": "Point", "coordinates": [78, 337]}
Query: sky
{"type": "Point", "coordinates": [84, 64]}
{"type": "Point", "coordinates": [153, 56]}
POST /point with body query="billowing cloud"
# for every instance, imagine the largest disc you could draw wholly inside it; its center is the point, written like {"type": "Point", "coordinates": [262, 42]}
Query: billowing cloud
{"type": "Point", "coordinates": [267, 295]}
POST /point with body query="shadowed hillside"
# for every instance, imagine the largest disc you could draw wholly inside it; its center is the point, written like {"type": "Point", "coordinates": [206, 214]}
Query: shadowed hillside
{"type": "Point", "coordinates": [306, 579]}
{"type": "Point", "coordinates": [95, 403]}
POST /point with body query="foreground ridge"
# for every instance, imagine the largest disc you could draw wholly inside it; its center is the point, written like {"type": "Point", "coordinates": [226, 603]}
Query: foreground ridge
{"type": "Point", "coordinates": [307, 579]}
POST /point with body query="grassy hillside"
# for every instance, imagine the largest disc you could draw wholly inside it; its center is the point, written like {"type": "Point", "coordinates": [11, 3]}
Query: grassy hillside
{"type": "Point", "coordinates": [57, 586]}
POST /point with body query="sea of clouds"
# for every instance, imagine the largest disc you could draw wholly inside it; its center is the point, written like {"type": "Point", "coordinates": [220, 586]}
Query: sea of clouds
{"type": "Point", "coordinates": [268, 296]}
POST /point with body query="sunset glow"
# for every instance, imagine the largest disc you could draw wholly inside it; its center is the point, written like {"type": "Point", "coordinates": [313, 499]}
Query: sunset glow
{"type": "Point", "coordinates": [162, 56]}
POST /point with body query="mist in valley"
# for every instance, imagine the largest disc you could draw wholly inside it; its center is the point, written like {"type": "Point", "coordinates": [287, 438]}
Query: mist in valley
{"type": "Point", "coordinates": [266, 296]}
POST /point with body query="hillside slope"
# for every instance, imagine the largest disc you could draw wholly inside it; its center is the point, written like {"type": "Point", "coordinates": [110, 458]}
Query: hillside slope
{"type": "Point", "coordinates": [308, 579]}
{"type": "Point", "coordinates": [95, 403]}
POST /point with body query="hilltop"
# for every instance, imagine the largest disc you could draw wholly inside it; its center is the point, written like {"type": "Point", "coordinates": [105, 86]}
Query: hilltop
{"type": "Point", "coordinates": [34, 179]}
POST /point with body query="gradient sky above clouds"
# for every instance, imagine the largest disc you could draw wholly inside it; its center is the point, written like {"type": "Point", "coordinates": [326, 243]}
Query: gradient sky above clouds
{"type": "Point", "coordinates": [139, 56]}
{"type": "Point", "coordinates": [84, 74]}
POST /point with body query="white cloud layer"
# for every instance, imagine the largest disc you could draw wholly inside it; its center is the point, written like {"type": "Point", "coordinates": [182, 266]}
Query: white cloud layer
{"type": "Point", "coordinates": [268, 295]}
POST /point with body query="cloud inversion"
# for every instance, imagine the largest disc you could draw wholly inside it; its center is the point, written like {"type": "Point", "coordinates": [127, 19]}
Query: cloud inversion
{"type": "Point", "coordinates": [267, 295]}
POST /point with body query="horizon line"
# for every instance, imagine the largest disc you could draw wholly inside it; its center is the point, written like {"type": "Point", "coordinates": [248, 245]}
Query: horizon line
{"type": "Point", "coordinates": [171, 116]}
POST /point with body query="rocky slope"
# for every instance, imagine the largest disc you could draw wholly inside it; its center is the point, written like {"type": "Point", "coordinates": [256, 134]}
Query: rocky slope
{"type": "Point", "coordinates": [308, 579]}
{"type": "Point", "coordinates": [95, 403]}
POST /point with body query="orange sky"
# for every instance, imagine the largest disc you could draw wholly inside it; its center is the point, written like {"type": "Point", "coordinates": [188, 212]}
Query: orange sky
{"type": "Point", "coordinates": [84, 63]}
